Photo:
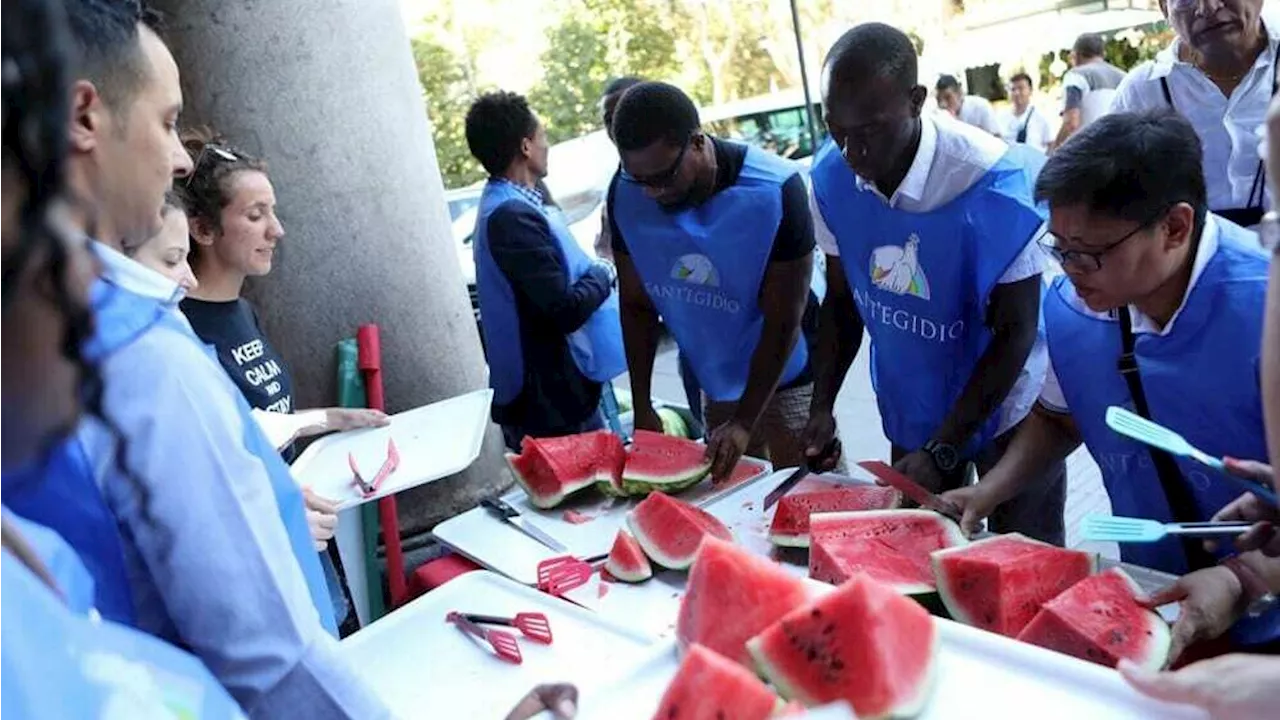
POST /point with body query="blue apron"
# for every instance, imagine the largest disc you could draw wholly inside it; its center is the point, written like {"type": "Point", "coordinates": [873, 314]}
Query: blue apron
{"type": "Point", "coordinates": [67, 499]}
{"type": "Point", "coordinates": [57, 663]}
{"type": "Point", "coordinates": [922, 282]}
{"type": "Point", "coordinates": [1201, 380]}
{"type": "Point", "coordinates": [702, 267]}
{"type": "Point", "coordinates": [596, 347]}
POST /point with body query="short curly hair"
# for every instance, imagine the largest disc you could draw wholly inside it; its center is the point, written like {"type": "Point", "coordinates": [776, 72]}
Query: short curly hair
{"type": "Point", "coordinates": [653, 111]}
{"type": "Point", "coordinates": [496, 124]}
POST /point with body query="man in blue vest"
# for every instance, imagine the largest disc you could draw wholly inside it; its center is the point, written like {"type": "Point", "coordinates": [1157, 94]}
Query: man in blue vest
{"type": "Point", "coordinates": [547, 310]}
{"type": "Point", "coordinates": [1161, 312]}
{"type": "Point", "coordinates": [929, 229]}
{"type": "Point", "coordinates": [715, 238]}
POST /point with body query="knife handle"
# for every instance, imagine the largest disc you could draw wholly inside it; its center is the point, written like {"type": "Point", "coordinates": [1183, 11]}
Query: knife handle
{"type": "Point", "coordinates": [499, 507]}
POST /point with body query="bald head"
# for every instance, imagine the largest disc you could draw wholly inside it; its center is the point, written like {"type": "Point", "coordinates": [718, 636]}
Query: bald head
{"type": "Point", "coordinates": [872, 51]}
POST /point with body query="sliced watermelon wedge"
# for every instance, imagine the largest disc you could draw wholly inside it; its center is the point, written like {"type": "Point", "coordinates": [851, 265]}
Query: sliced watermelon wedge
{"type": "Point", "coordinates": [671, 530]}
{"type": "Point", "coordinates": [733, 595]}
{"type": "Point", "coordinates": [999, 583]}
{"type": "Point", "coordinates": [611, 457]}
{"type": "Point", "coordinates": [890, 546]}
{"type": "Point", "coordinates": [627, 561]}
{"type": "Point", "coordinates": [790, 527]}
{"type": "Point", "coordinates": [707, 686]}
{"type": "Point", "coordinates": [551, 469]}
{"type": "Point", "coordinates": [662, 463]}
{"type": "Point", "coordinates": [863, 643]}
{"type": "Point", "coordinates": [1099, 619]}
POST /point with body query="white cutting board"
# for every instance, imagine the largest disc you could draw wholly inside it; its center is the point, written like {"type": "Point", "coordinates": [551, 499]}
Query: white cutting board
{"type": "Point", "coordinates": [423, 667]}
{"type": "Point", "coordinates": [980, 676]}
{"type": "Point", "coordinates": [434, 441]}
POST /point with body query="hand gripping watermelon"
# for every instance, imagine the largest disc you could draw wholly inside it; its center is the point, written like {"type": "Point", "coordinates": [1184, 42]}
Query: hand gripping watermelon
{"type": "Point", "coordinates": [710, 687]}
{"type": "Point", "coordinates": [551, 469]}
{"type": "Point", "coordinates": [627, 561]}
{"type": "Point", "coordinates": [733, 595]}
{"type": "Point", "coordinates": [663, 463]}
{"type": "Point", "coordinates": [863, 643]}
{"type": "Point", "coordinates": [790, 527]}
{"type": "Point", "coordinates": [891, 546]}
{"type": "Point", "coordinates": [1098, 619]}
{"type": "Point", "coordinates": [670, 530]}
{"type": "Point", "coordinates": [999, 583]}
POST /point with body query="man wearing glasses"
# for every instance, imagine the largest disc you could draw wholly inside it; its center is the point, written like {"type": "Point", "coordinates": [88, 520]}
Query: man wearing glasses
{"type": "Point", "coordinates": [1160, 312]}
{"type": "Point", "coordinates": [716, 238]}
{"type": "Point", "coordinates": [929, 226]}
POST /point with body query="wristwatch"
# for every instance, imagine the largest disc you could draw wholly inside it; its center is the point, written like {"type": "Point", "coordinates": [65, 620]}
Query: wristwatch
{"type": "Point", "coordinates": [946, 457]}
{"type": "Point", "coordinates": [1260, 598]}
{"type": "Point", "coordinates": [1269, 232]}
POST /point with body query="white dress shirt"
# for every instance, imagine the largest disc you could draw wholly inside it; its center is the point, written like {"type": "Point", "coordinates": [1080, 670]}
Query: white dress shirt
{"type": "Point", "coordinates": [1051, 395]}
{"type": "Point", "coordinates": [1039, 131]}
{"type": "Point", "coordinates": [976, 111]}
{"type": "Point", "coordinates": [1229, 127]}
{"type": "Point", "coordinates": [952, 157]}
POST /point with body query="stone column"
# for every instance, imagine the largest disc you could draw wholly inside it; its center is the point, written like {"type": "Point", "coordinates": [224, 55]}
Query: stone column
{"type": "Point", "coordinates": [327, 93]}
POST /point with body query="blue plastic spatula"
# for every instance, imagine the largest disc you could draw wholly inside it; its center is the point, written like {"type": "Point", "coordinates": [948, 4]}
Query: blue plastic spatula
{"type": "Point", "coordinates": [1143, 430]}
{"type": "Point", "coordinates": [1105, 528]}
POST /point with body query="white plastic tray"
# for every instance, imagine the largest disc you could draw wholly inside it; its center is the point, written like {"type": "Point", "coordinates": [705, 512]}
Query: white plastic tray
{"type": "Point", "coordinates": [434, 442]}
{"type": "Point", "coordinates": [424, 667]}
{"type": "Point", "coordinates": [980, 676]}
{"type": "Point", "coordinates": [494, 544]}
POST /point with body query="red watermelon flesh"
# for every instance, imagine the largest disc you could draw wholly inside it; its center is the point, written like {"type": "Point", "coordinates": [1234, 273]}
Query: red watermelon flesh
{"type": "Point", "coordinates": [790, 526]}
{"type": "Point", "coordinates": [664, 463]}
{"type": "Point", "coordinates": [611, 456]}
{"type": "Point", "coordinates": [670, 530]}
{"type": "Point", "coordinates": [627, 562]}
{"type": "Point", "coordinates": [733, 595]}
{"type": "Point", "coordinates": [551, 469]}
{"type": "Point", "coordinates": [710, 687]}
{"type": "Point", "coordinates": [1098, 619]}
{"type": "Point", "coordinates": [999, 583]}
{"type": "Point", "coordinates": [891, 546]}
{"type": "Point", "coordinates": [864, 644]}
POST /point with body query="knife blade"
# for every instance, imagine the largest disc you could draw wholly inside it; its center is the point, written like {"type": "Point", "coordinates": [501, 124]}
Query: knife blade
{"type": "Point", "coordinates": [911, 489]}
{"type": "Point", "coordinates": [832, 448]}
{"type": "Point", "coordinates": [503, 510]}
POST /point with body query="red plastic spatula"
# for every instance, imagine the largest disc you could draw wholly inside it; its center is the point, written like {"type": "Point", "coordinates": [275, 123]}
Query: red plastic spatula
{"type": "Point", "coordinates": [504, 644]}
{"type": "Point", "coordinates": [559, 575]}
{"type": "Point", "coordinates": [533, 625]}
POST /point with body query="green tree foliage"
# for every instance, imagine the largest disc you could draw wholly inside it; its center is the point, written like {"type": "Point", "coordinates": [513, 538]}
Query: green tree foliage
{"type": "Point", "coordinates": [447, 90]}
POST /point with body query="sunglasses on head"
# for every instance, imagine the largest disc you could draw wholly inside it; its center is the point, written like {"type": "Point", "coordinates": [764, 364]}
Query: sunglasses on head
{"type": "Point", "coordinates": [210, 152]}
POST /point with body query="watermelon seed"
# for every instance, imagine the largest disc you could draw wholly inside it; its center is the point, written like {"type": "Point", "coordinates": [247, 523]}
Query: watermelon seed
{"type": "Point", "coordinates": [672, 712]}
{"type": "Point", "coordinates": [815, 613]}
{"type": "Point", "coordinates": [829, 629]}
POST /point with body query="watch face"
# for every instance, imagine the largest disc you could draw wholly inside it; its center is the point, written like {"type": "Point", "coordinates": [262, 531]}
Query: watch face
{"type": "Point", "coordinates": [945, 457]}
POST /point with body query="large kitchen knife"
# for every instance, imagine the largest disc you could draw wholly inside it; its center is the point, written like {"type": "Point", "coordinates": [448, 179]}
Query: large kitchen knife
{"type": "Point", "coordinates": [911, 489]}
{"type": "Point", "coordinates": [512, 516]}
{"type": "Point", "coordinates": [832, 449]}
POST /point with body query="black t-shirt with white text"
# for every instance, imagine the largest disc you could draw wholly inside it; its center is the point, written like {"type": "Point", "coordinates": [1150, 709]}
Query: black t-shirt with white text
{"type": "Point", "coordinates": [256, 368]}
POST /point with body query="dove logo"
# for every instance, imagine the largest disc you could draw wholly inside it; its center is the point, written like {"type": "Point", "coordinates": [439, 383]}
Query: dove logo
{"type": "Point", "coordinates": [897, 269]}
{"type": "Point", "coordinates": [696, 269]}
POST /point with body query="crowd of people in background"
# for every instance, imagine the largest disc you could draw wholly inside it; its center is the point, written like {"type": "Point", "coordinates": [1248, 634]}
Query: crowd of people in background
{"type": "Point", "coordinates": [132, 364]}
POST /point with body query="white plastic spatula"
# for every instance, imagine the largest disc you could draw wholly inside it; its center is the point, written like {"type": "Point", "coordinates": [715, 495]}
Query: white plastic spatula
{"type": "Point", "coordinates": [282, 428]}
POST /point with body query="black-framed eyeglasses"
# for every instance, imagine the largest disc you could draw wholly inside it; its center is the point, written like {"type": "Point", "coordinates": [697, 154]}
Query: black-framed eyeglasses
{"type": "Point", "coordinates": [665, 178]}
{"type": "Point", "coordinates": [211, 152]}
{"type": "Point", "coordinates": [1088, 261]}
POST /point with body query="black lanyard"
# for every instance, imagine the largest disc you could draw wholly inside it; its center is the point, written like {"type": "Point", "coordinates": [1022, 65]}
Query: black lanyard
{"type": "Point", "coordinates": [1022, 132]}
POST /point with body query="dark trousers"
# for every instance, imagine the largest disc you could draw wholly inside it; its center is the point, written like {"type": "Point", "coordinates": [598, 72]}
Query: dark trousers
{"type": "Point", "coordinates": [1037, 512]}
{"type": "Point", "coordinates": [512, 435]}
{"type": "Point", "coordinates": [693, 395]}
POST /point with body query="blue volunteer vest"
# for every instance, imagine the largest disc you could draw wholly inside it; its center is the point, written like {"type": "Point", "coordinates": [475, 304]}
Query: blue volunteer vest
{"type": "Point", "coordinates": [921, 282]}
{"type": "Point", "coordinates": [67, 499]}
{"type": "Point", "coordinates": [1201, 380]}
{"type": "Point", "coordinates": [58, 663]}
{"type": "Point", "coordinates": [702, 267]}
{"type": "Point", "coordinates": [596, 347]}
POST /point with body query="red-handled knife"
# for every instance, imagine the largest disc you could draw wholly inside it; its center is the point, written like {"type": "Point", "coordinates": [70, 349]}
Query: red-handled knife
{"type": "Point", "coordinates": [911, 489]}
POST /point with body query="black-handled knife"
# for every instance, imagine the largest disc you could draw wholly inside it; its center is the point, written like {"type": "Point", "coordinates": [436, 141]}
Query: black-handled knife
{"type": "Point", "coordinates": [503, 510]}
{"type": "Point", "coordinates": [831, 449]}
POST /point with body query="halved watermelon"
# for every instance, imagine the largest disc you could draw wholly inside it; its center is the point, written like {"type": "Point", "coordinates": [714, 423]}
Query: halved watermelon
{"type": "Point", "coordinates": [891, 546]}
{"type": "Point", "coordinates": [1098, 619]}
{"type": "Point", "coordinates": [627, 561]}
{"type": "Point", "coordinates": [551, 469]}
{"type": "Point", "coordinates": [710, 687]}
{"type": "Point", "coordinates": [733, 595]}
{"type": "Point", "coordinates": [863, 643]}
{"type": "Point", "coordinates": [790, 526]}
{"type": "Point", "coordinates": [663, 463]}
{"type": "Point", "coordinates": [999, 583]}
{"type": "Point", "coordinates": [670, 530]}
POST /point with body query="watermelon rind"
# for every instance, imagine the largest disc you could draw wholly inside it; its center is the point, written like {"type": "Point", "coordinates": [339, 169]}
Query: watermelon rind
{"type": "Point", "coordinates": [955, 536]}
{"type": "Point", "coordinates": [539, 500]}
{"type": "Point", "coordinates": [950, 600]}
{"type": "Point", "coordinates": [625, 545]}
{"type": "Point", "coordinates": [710, 525]}
{"type": "Point", "coordinates": [801, 539]}
{"type": "Point", "coordinates": [633, 485]}
{"type": "Point", "coordinates": [908, 707]}
{"type": "Point", "coordinates": [639, 482]}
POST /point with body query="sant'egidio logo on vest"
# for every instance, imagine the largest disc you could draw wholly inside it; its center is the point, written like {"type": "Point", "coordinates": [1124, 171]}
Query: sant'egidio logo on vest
{"type": "Point", "coordinates": [698, 280]}
{"type": "Point", "coordinates": [897, 269]}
